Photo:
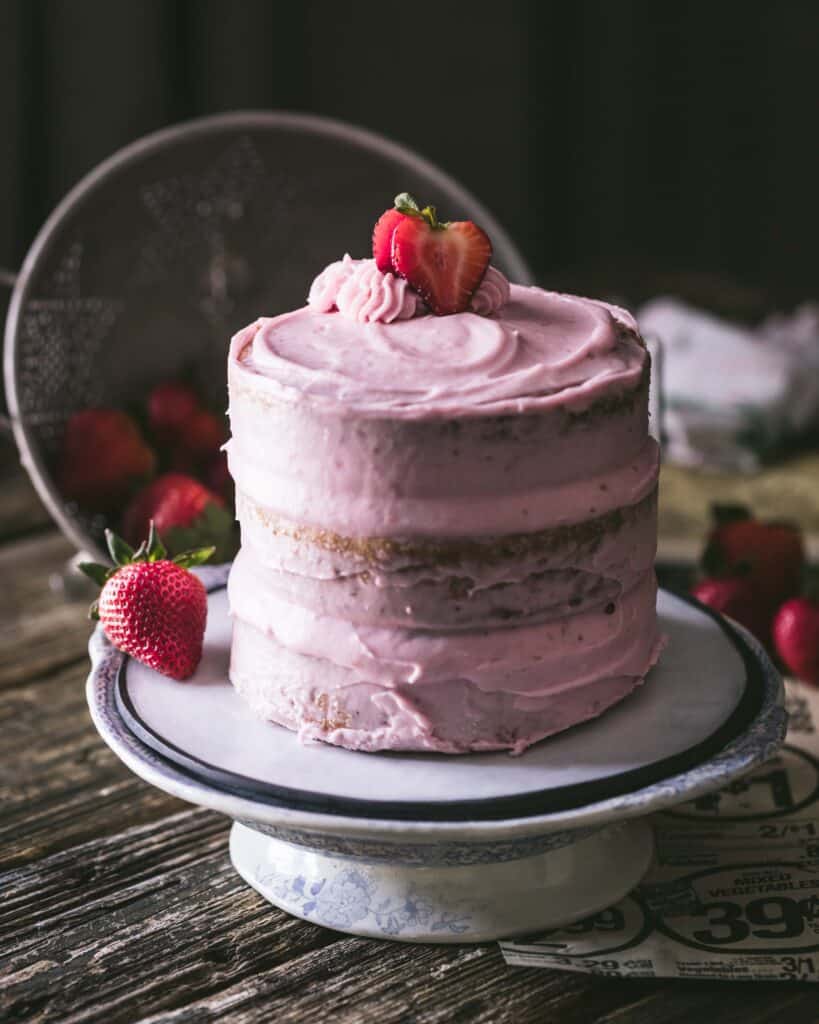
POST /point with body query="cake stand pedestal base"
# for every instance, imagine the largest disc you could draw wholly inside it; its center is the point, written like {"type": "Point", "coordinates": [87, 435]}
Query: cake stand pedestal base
{"type": "Point", "coordinates": [472, 902]}
{"type": "Point", "coordinates": [431, 848]}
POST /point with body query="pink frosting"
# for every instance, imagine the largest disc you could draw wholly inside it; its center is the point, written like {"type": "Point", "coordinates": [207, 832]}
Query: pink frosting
{"type": "Point", "coordinates": [492, 294]}
{"type": "Point", "coordinates": [381, 689]}
{"type": "Point", "coordinates": [544, 349]}
{"type": "Point", "coordinates": [360, 291]}
{"type": "Point", "coordinates": [532, 660]}
{"type": "Point", "coordinates": [362, 416]}
{"type": "Point", "coordinates": [346, 425]}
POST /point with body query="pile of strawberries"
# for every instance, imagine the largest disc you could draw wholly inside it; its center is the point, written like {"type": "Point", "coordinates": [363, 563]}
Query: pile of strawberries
{"type": "Point", "coordinates": [163, 464]}
{"type": "Point", "coordinates": [755, 572]}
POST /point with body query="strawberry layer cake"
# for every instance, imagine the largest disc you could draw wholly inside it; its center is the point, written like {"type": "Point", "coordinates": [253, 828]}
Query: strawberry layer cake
{"type": "Point", "coordinates": [447, 495]}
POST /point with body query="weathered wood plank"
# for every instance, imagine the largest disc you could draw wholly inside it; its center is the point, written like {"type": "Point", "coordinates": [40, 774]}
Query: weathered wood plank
{"type": "Point", "coordinates": [119, 904]}
{"type": "Point", "coordinates": [21, 511]}
{"type": "Point", "coordinates": [130, 913]}
{"type": "Point", "coordinates": [59, 784]}
{"type": "Point", "coordinates": [40, 630]}
{"type": "Point", "coordinates": [152, 924]}
{"type": "Point", "coordinates": [358, 981]}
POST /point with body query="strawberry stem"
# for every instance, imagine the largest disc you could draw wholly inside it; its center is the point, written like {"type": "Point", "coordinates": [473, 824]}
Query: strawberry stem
{"type": "Point", "coordinates": [430, 215]}
{"type": "Point", "coordinates": [408, 205]}
{"type": "Point", "coordinates": [121, 551]}
{"type": "Point", "coordinates": [156, 550]}
{"type": "Point", "coordinates": [150, 550]}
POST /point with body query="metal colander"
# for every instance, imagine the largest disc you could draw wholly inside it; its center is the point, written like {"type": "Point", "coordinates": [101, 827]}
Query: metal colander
{"type": "Point", "coordinates": [157, 256]}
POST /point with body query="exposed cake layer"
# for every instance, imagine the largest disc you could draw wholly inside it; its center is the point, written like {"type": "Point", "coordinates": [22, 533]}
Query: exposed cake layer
{"type": "Point", "coordinates": [505, 693]}
{"type": "Point", "coordinates": [443, 426]}
{"type": "Point", "coordinates": [535, 658]}
{"type": "Point", "coordinates": [448, 523]}
{"type": "Point", "coordinates": [466, 583]}
{"type": "Point", "coordinates": [431, 658]}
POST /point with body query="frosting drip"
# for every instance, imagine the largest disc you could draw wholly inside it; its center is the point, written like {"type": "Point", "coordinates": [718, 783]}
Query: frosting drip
{"type": "Point", "coordinates": [360, 291]}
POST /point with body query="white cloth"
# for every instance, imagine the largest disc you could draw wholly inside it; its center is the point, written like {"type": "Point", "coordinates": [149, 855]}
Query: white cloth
{"type": "Point", "coordinates": [733, 397]}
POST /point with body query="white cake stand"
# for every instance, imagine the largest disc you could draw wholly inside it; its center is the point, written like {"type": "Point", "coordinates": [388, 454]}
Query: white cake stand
{"type": "Point", "coordinates": [436, 848]}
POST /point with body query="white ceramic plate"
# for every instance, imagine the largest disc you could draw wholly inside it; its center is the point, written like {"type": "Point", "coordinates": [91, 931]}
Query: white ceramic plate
{"type": "Point", "coordinates": [697, 699]}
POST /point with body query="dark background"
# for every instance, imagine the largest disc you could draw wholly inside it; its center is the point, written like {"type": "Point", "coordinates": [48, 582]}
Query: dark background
{"type": "Point", "coordinates": [628, 146]}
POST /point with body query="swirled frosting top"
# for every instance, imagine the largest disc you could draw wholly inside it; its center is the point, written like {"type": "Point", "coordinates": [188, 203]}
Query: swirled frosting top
{"type": "Point", "coordinates": [359, 290]}
{"type": "Point", "coordinates": [364, 343]}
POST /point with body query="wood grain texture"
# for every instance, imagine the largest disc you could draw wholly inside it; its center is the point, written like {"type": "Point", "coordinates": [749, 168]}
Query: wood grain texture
{"type": "Point", "coordinates": [119, 904]}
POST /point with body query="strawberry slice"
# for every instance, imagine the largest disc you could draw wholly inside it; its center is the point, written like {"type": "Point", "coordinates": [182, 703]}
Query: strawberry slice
{"type": "Point", "coordinates": [405, 206]}
{"type": "Point", "coordinates": [382, 239]}
{"type": "Point", "coordinates": [443, 262]}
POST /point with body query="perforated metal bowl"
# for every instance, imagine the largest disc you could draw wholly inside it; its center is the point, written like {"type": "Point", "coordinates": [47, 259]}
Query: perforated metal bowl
{"type": "Point", "coordinates": [156, 257]}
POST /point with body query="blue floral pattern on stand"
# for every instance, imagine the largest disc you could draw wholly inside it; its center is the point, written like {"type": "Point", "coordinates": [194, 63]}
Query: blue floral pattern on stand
{"type": "Point", "coordinates": [351, 898]}
{"type": "Point", "coordinates": [344, 892]}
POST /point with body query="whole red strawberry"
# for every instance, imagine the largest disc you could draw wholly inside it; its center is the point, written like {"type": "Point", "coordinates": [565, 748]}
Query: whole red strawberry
{"type": "Point", "coordinates": [735, 596]}
{"type": "Point", "coordinates": [151, 607]}
{"type": "Point", "coordinates": [184, 512]}
{"type": "Point", "coordinates": [796, 636]}
{"type": "Point", "coordinates": [769, 554]}
{"type": "Point", "coordinates": [104, 456]}
{"type": "Point", "coordinates": [170, 406]}
{"type": "Point", "coordinates": [443, 262]}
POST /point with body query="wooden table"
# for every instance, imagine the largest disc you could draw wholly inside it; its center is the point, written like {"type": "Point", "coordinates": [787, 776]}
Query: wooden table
{"type": "Point", "coordinates": [119, 903]}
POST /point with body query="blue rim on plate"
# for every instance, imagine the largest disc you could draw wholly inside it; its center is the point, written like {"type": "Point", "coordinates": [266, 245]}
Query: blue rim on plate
{"type": "Point", "coordinates": [756, 702]}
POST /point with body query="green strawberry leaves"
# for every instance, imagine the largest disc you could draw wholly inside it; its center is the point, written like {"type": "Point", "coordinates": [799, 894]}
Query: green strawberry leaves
{"type": "Point", "coordinates": [150, 550]}
{"type": "Point", "coordinates": [408, 205]}
{"type": "Point", "coordinates": [98, 573]}
{"type": "Point", "coordinates": [189, 559]}
{"type": "Point", "coordinates": [213, 527]}
{"type": "Point", "coordinates": [120, 550]}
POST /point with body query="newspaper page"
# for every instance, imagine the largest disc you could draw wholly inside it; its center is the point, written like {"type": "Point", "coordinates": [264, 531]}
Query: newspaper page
{"type": "Point", "coordinates": [734, 888]}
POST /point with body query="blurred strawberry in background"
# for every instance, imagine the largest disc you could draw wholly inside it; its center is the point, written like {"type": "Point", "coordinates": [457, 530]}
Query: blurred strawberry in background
{"type": "Point", "coordinates": [755, 572]}
{"type": "Point", "coordinates": [770, 555]}
{"type": "Point", "coordinates": [184, 512]}
{"type": "Point", "coordinates": [190, 435]}
{"type": "Point", "coordinates": [217, 477]}
{"type": "Point", "coordinates": [735, 597]}
{"type": "Point", "coordinates": [796, 635]}
{"type": "Point", "coordinates": [104, 457]}
{"type": "Point", "coordinates": [199, 439]}
{"type": "Point", "coordinates": [170, 406]}
{"type": "Point", "coordinates": [107, 465]}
